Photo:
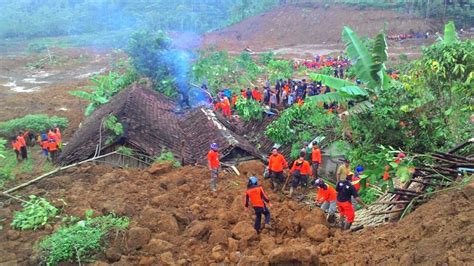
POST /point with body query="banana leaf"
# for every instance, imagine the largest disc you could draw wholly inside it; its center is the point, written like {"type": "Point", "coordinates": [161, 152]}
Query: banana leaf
{"type": "Point", "coordinates": [379, 56]}
{"type": "Point", "coordinates": [332, 82]}
{"type": "Point", "coordinates": [331, 97]}
{"type": "Point", "coordinates": [89, 96]}
{"type": "Point", "coordinates": [353, 91]}
{"type": "Point", "coordinates": [90, 109]}
{"type": "Point", "coordinates": [361, 107]}
{"type": "Point", "coordinates": [360, 57]}
{"type": "Point", "coordinates": [450, 35]}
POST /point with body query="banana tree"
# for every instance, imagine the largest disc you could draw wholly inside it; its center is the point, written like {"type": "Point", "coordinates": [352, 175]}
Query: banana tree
{"type": "Point", "coordinates": [369, 67]}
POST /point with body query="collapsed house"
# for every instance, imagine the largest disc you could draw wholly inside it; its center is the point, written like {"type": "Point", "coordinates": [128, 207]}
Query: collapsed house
{"type": "Point", "coordinates": [151, 125]}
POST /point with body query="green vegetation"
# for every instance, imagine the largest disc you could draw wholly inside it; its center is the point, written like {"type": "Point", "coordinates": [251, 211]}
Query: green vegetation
{"type": "Point", "coordinates": [167, 156]}
{"type": "Point", "coordinates": [149, 55]}
{"type": "Point", "coordinates": [303, 123]}
{"type": "Point", "coordinates": [105, 87]}
{"type": "Point", "coordinates": [111, 123]}
{"type": "Point", "coordinates": [36, 123]}
{"type": "Point", "coordinates": [35, 214]}
{"type": "Point", "coordinates": [2, 148]}
{"type": "Point", "coordinates": [79, 242]}
{"type": "Point", "coordinates": [58, 18]}
{"type": "Point", "coordinates": [428, 109]}
{"type": "Point", "coordinates": [249, 109]}
{"type": "Point", "coordinates": [220, 70]}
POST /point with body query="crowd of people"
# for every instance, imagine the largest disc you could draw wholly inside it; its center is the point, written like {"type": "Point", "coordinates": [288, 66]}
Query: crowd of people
{"type": "Point", "coordinates": [283, 94]}
{"type": "Point", "coordinates": [50, 143]}
{"type": "Point", "coordinates": [303, 174]}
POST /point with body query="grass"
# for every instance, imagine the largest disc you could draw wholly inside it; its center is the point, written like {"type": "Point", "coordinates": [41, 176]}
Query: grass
{"type": "Point", "coordinates": [7, 167]}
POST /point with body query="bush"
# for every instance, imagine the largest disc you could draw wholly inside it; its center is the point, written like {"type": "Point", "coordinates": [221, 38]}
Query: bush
{"type": "Point", "coordinates": [35, 214]}
{"type": "Point", "coordinates": [105, 87]}
{"type": "Point", "coordinates": [167, 156]}
{"type": "Point", "coordinates": [249, 109]}
{"type": "Point", "coordinates": [36, 123]}
{"type": "Point", "coordinates": [81, 241]}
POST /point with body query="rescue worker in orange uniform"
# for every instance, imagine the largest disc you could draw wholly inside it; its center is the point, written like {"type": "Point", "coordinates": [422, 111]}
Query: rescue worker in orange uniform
{"type": "Point", "coordinates": [276, 164]}
{"type": "Point", "coordinates": [21, 141]}
{"type": "Point", "coordinates": [59, 136]}
{"type": "Point", "coordinates": [300, 170]}
{"type": "Point", "coordinates": [259, 200]}
{"type": "Point", "coordinates": [16, 146]}
{"type": "Point", "coordinates": [345, 191]}
{"type": "Point", "coordinates": [214, 164]}
{"type": "Point", "coordinates": [316, 159]}
{"type": "Point", "coordinates": [326, 196]}
{"type": "Point", "coordinates": [226, 107]}
{"type": "Point", "coordinates": [52, 149]}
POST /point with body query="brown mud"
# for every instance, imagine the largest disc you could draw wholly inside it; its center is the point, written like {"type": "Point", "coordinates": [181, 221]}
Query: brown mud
{"type": "Point", "coordinates": [175, 219]}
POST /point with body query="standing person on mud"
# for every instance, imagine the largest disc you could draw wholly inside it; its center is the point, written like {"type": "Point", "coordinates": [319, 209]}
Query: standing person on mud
{"type": "Point", "coordinates": [343, 170]}
{"type": "Point", "coordinates": [276, 164]}
{"type": "Point", "coordinates": [16, 146]}
{"type": "Point", "coordinates": [53, 149]}
{"type": "Point", "coordinates": [345, 192]}
{"type": "Point", "coordinates": [258, 198]}
{"type": "Point", "coordinates": [316, 159]}
{"type": "Point", "coordinates": [214, 164]}
{"type": "Point", "coordinates": [21, 141]}
{"type": "Point", "coordinates": [300, 172]}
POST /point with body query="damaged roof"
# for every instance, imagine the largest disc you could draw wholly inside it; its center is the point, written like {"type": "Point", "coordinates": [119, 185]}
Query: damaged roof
{"type": "Point", "coordinates": [151, 124]}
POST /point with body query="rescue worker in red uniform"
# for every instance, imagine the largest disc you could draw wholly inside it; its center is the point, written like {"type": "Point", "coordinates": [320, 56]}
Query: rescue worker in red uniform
{"type": "Point", "coordinates": [300, 170]}
{"type": "Point", "coordinates": [345, 190]}
{"type": "Point", "coordinates": [214, 164]}
{"type": "Point", "coordinates": [259, 200]}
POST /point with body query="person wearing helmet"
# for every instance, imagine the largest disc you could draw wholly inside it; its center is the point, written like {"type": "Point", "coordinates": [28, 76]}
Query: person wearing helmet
{"type": "Point", "coordinates": [326, 196]}
{"type": "Point", "coordinates": [300, 171]}
{"type": "Point", "coordinates": [276, 164]}
{"type": "Point", "coordinates": [214, 164]}
{"type": "Point", "coordinates": [356, 178]}
{"type": "Point", "coordinates": [345, 192]}
{"type": "Point", "coordinates": [259, 200]}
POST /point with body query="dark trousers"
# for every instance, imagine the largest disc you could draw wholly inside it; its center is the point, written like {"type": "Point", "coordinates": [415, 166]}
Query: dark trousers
{"type": "Point", "coordinates": [258, 217]}
{"type": "Point", "coordinates": [24, 152]}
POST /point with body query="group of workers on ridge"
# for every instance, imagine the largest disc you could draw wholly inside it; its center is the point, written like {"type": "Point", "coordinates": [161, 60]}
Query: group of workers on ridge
{"type": "Point", "coordinates": [50, 143]}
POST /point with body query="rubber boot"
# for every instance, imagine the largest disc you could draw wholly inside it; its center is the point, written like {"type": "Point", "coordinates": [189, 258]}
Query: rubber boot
{"type": "Point", "coordinates": [275, 186]}
{"type": "Point", "coordinates": [330, 218]}
{"type": "Point", "coordinates": [347, 226]}
{"type": "Point", "coordinates": [291, 192]}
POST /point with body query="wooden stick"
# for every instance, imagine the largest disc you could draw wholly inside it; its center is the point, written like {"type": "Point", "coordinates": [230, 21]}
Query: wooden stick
{"type": "Point", "coordinates": [460, 146]}
{"type": "Point", "coordinates": [391, 202]}
{"type": "Point", "coordinates": [386, 212]}
{"type": "Point", "coordinates": [55, 171]}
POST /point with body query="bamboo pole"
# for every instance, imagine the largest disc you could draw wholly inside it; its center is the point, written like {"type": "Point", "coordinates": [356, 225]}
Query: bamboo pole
{"type": "Point", "coordinates": [386, 212]}
{"type": "Point", "coordinates": [55, 171]}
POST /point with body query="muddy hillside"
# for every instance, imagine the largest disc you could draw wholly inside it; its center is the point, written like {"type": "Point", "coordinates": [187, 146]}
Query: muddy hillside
{"type": "Point", "coordinates": [281, 29]}
{"type": "Point", "coordinates": [176, 220]}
